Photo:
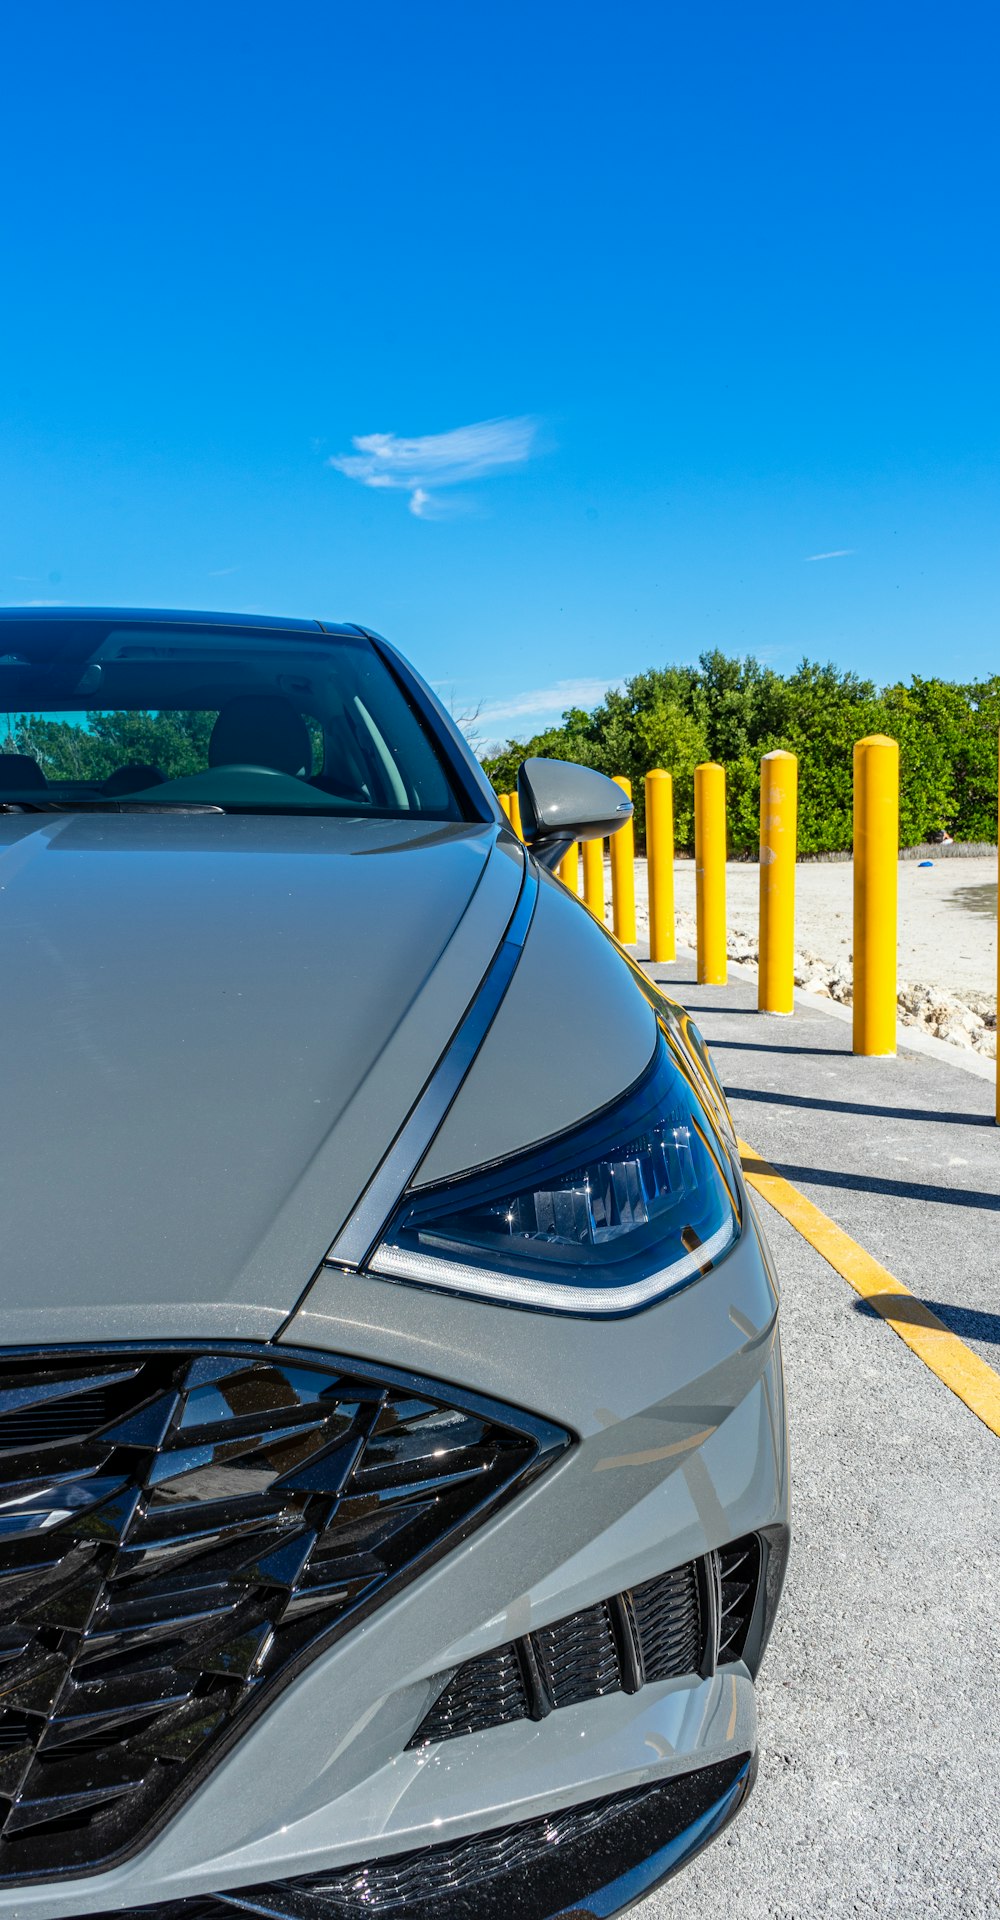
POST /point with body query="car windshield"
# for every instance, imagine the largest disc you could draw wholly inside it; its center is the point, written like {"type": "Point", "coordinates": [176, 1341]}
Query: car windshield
{"type": "Point", "coordinates": [249, 720]}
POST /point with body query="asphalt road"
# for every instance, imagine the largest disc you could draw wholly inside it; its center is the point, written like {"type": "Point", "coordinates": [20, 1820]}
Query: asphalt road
{"type": "Point", "coordinates": [879, 1784]}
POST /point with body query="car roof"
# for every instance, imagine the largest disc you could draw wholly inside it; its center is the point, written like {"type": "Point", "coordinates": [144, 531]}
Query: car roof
{"type": "Point", "coordinates": [165, 616]}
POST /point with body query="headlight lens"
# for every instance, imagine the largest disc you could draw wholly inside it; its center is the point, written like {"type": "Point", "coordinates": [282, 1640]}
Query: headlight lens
{"type": "Point", "coordinates": [636, 1203]}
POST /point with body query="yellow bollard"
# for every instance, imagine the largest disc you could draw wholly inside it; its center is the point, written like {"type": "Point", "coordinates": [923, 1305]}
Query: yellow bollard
{"type": "Point", "coordinates": [710, 872]}
{"type": "Point", "coordinates": [876, 883]}
{"type": "Point", "coordinates": [660, 864]}
{"type": "Point", "coordinates": [515, 814]}
{"type": "Point", "coordinates": [623, 874]}
{"type": "Point", "coordinates": [779, 784]}
{"type": "Point", "coordinates": [569, 868]}
{"type": "Point", "coordinates": [593, 878]}
{"type": "Point", "coordinates": [504, 799]}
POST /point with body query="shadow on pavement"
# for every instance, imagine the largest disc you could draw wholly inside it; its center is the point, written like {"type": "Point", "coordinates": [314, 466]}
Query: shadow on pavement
{"type": "Point", "coordinates": [858, 1106]}
{"type": "Point", "coordinates": [717, 1006]}
{"type": "Point", "coordinates": [874, 1183]}
{"type": "Point", "coordinates": [968, 1322]}
{"type": "Point", "coordinates": [752, 1046]}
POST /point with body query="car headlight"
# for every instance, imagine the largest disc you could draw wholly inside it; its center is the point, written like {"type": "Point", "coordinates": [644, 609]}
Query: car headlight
{"type": "Point", "coordinates": [637, 1202]}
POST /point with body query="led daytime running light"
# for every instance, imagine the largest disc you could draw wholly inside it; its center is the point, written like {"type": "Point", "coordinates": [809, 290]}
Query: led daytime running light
{"type": "Point", "coordinates": [516, 1290]}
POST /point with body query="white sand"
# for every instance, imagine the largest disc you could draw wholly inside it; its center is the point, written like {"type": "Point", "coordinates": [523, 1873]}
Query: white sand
{"type": "Point", "coordinates": [941, 943]}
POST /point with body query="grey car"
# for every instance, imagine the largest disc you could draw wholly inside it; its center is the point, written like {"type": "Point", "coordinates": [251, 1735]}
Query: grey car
{"type": "Point", "coordinates": [394, 1501]}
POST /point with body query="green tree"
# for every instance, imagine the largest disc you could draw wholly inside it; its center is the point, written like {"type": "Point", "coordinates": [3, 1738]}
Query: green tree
{"type": "Point", "coordinates": [735, 710]}
{"type": "Point", "coordinates": [176, 742]}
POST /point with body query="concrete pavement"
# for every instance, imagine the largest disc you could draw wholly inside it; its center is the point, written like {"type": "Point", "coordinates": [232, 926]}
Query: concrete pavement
{"type": "Point", "coordinates": [879, 1786]}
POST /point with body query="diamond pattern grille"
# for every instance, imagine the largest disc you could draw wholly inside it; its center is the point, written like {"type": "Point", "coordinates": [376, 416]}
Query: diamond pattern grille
{"type": "Point", "coordinates": [179, 1531]}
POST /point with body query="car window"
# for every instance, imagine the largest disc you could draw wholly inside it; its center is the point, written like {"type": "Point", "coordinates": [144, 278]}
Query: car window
{"type": "Point", "coordinates": [248, 720]}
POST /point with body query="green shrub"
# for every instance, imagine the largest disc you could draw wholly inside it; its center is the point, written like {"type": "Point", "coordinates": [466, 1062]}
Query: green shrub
{"type": "Point", "coordinates": [735, 710]}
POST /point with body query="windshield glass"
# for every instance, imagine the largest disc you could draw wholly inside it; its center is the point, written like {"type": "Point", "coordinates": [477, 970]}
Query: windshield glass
{"type": "Point", "coordinates": [252, 720]}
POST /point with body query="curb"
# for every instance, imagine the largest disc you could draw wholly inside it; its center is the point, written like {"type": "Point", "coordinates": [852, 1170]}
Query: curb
{"type": "Point", "coordinates": [908, 1039]}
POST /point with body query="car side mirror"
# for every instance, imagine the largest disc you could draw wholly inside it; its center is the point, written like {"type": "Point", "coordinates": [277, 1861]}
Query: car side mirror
{"type": "Point", "coordinates": [561, 802]}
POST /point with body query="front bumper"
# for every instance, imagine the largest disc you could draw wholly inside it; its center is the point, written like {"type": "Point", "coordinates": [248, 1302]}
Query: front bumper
{"type": "Point", "coordinates": [596, 1860]}
{"type": "Point", "coordinates": [679, 1414]}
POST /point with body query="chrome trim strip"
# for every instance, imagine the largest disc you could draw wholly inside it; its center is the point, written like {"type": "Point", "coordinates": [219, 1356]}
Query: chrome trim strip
{"type": "Point", "coordinates": [363, 1230]}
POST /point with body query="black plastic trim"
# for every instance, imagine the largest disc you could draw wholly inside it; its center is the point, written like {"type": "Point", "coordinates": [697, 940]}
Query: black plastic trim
{"type": "Point", "coordinates": [775, 1543]}
{"type": "Point", "coordinates": [627, 1644]}
{"type": "Point", "coordinates": [708, 1595]}
{"type": "Point", "coordinates": [539, 1701]}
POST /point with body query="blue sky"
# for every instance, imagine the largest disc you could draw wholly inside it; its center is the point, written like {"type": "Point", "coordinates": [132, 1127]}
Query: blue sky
{"type": "Point", "coordinates": [715, 287]}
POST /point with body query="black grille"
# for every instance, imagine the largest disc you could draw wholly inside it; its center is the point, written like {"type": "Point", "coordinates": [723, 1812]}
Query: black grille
{"type": "Point", "coordinates": [484, 1693]}
{"type": "Point", "coordinates": [406, 1882]}
{"type": "Point", "coordinates": [578, 1658]}
{"type": "Point", "coordinates": [618, 1847]}
{"type": "Point", "coordinates": [668, 1623]}
{"type": "Point", "coordinates": [72, 1418]}
{"type": "Point", "coordinates": [164, 1568]}
{"type": "Point", "coordinates": [662, 1630]}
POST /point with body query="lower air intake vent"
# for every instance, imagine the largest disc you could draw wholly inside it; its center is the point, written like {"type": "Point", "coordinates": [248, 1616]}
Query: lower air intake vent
{"type": "Point", "coordinates": [584, 1860]}
{"type": "Point", "coordinates": [179, 1532]}
{"type": "Point", "coordinates": [739, 1577]}
{"type": "Point", "coordinates": [662, 1630]}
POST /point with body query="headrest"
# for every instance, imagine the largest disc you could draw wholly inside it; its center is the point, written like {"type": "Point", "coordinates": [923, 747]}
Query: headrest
{"type": "Point", "coordinates": [261, 730]}
{"type": "Point", "coordinates": [19, 771]}
{"type": "Point", "coordinates": [132, 779]}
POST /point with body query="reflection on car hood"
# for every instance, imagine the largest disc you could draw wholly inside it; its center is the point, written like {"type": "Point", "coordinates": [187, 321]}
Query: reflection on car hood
{"type": "Point", "coordinates": [213, 1026]}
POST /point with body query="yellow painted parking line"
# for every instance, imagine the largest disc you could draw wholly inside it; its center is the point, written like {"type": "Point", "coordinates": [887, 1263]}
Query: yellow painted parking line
{"type": "Point", "coordinates": [975, 1383]}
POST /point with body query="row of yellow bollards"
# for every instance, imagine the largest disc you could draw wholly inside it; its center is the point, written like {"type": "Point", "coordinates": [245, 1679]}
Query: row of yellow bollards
{"type": "Point", "coordinates": [876, 876]}
{"type": "Point", "coordinates": [876, 851]}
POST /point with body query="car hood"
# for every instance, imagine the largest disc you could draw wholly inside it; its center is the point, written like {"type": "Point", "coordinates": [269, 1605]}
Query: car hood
{"type": "Point", "coordinates": [213, 1028]}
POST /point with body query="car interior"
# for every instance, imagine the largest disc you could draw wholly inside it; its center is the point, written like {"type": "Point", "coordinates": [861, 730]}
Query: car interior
{"type": "Point", "coordinates": [252, 725]}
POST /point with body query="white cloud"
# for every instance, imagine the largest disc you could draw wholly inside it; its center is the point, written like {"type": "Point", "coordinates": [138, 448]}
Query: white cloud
{"type": "Point", "coordinates": [436, 506]}
{"type": "Point", "coordinates": [839, 553]}
{"type": "Point", "coordinates": [221, 573]}
{"type": "Point", "coordinates": [421, 466]}
{"type": "Point", "coordinates": [539, 702]}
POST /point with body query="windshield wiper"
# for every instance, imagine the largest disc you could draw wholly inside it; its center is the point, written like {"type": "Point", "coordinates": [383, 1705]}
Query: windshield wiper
{"type": "Point", "coordinates": [162, 806]}
{"type": "Point", "coordinates": [107, 806]}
